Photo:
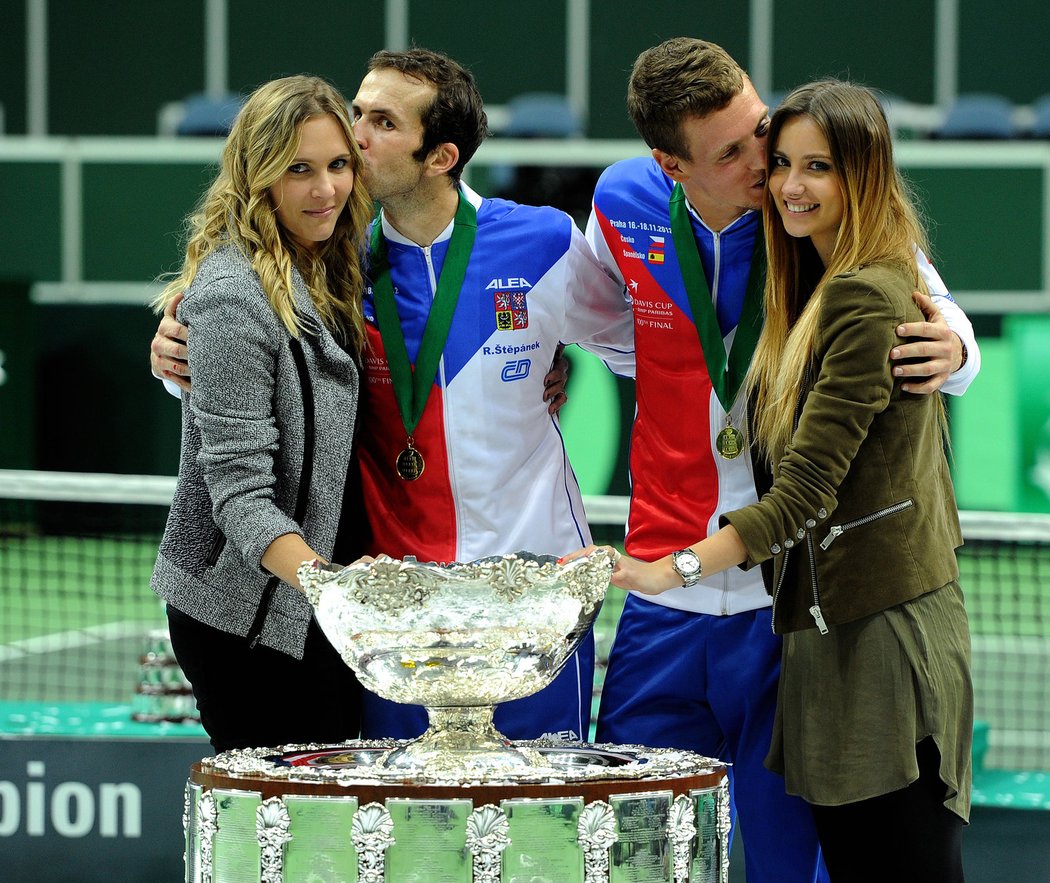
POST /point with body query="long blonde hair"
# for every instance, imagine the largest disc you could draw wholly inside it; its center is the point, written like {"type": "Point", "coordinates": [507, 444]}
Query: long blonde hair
{"type": "Point", "coordinates": [237, 209]}
{"type": "Point", "coordinates": [879, 225]}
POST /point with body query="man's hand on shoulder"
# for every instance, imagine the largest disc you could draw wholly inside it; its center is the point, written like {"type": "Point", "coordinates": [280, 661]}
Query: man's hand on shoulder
{"type": "Point", "coordinates": [933, 357]}
{"type": "Point", "coordinates": [168, 354]}
{"type": "Point", "coordinates": [554, 382]}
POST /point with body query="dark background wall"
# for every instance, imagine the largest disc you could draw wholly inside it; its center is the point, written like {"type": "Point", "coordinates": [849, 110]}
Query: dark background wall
{"type": "Point", "coordinates": [110, 66]}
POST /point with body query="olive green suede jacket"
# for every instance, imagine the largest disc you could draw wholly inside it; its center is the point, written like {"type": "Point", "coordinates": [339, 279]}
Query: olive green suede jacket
{"type": "Point", "coordinates": [862, 514]}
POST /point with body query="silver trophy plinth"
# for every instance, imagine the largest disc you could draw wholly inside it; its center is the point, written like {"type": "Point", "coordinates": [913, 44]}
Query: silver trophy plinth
{"type": "Point", "coordinates": [458, 639]}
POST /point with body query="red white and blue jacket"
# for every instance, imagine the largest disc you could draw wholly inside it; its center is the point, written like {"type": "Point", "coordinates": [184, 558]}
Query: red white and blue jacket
{"type": "Point", "coordinates": [679, 483]}
{"type": "Point", "coordinates": [497, 477]}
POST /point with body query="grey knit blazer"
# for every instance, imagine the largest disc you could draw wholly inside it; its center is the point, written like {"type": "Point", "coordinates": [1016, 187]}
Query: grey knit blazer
{"type": "Point", "coordinates": [242, 452]}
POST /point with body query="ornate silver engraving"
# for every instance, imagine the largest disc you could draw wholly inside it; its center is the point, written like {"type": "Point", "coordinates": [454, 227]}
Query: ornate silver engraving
{"type": "Point", "coordinates": [681, 830]}
{"type": "Point", "coordinates": [724, 824]}
{"type": "Point", "coordinates": [207, 825]}
{"type": "Point", "coordinates": [634, 762]}
{"type": "Point", "coordinates": [372, 833]}
{"type": "Point", "coordinates": [458, 639]}
{"type": "Point", "coordinates": [488, 834]}
{"type": "Point", "coordinates": [394, 586]}
{"type": "Point", "coordinates": [273, 830]}
{"type": "Point", "coordinates": [597, 833]}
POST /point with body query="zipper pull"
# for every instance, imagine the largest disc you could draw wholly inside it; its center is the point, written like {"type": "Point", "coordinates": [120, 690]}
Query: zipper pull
{"type": "Point", "coordinates": [836, 532]}
{"type": "Point", "coordinates": [818, 617]}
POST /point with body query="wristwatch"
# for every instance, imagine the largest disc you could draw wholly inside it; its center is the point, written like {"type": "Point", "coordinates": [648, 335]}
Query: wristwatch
{"type": "Point", "coordinates": [686, 564]}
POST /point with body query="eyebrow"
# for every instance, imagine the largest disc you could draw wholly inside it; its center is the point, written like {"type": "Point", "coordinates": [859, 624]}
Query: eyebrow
{"type": "Point", "coordinates": [375, 111]}
{"type": "Point", "coordinates": [305, 159]}
{"type": "Point", "coordinates": [779, 152]}
{"type": "Point", "coordinates": [729, 145]}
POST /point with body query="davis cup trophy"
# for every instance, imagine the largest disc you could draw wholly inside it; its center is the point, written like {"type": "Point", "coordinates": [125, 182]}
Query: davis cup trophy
{"type": "Point", "coordinates": [460, 804]}
{"type": "Point", "coordinates": [458, 640]}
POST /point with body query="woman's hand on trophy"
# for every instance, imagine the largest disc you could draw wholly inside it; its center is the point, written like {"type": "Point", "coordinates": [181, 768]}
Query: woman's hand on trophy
{"type": "Point", "coordinates": [631, 574]}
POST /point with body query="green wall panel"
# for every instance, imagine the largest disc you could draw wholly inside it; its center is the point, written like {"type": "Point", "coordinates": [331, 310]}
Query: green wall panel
{"type": "Point", "coordinates": [986, 226]}
{"type": "Point", "coordinates": [331, 39]}
{"type": "Point", "coordinates": [13, 69]}
{"type": "Point", "coordinates": [510, 48]}
{"type": "Point", "coordinates": [17, 376]}
{"type": "Point", "coordinates": [1030, 339]}
{"type": "Point", "coordinates": [134, 217]}
{"type": "Point", "coordinates": [590, 423]}
{"type": "Point", "coordinates": [621, 30]}
{"type": "Point", "coordinates": [986, 452]}
{"type": "Point", "coordinates": [1003, 48]}
{"type": "Point", "coordinates": [889, 46]}
{"type": "Point", "coordinates": [112, 65]}
{"type": "Point", "coordinates": [125, 422]}
{"type": "Point", "coordinates": [30, 220]}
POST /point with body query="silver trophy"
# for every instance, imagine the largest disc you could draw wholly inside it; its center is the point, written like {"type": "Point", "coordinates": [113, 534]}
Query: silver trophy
{"type": "Point", "coordinates": [458, 639]}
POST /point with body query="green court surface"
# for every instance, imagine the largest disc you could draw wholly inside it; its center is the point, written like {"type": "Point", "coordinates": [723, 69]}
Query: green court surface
{"type": "Point", "coordinates": [77, 615]}
{"type": "Point", "coordinates": [50, 584]}
{"type": "Point", "coordinates": [87, 719]}
{"type": "Point", "coordinates": [1011, 789]}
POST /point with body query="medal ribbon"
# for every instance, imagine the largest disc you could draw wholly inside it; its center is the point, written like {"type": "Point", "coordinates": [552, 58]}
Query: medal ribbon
{"type": "Point", "coordinates": [726, 374]}
{"type": "Point", "coordinates": [412, 388]}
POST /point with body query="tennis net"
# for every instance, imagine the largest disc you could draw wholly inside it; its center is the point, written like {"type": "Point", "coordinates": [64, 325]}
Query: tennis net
{"type": "Point", "coordinates": [76, 609]}
{"type": "Point", "coordinates": [1005, 575]}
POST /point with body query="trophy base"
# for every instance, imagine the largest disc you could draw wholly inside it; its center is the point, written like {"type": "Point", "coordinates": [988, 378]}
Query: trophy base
{"type": "Point", "coordinates": [587, 814]}
{"type": "Point", "coordinates": [461, 741]}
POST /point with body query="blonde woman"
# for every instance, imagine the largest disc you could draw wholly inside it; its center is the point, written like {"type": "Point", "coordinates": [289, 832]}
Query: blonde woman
{"type": "Point", "coordinates": [874, 716]}
{"type": "Point", "coordinates": [273, 280]}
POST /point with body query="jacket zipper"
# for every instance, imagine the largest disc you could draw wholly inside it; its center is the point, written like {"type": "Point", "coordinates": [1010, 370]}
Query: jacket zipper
{"type": "Point", "coordinates": [218, 543]}
{"type": "Point", "coordinates": [815, 611]}
{"type": "Point", "coordinates": [776, 590]}
{"type": "Point", "coordinates": [838, 530]}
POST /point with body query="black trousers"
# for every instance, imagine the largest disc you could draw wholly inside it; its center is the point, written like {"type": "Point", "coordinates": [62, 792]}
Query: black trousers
{"type": "Point", "coordinates": [252, 697]}
{"type": "Point", "coordinates": [906, 836]}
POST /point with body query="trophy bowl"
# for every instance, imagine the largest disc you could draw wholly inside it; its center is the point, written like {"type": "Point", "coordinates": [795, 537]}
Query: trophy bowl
{"type": "Point", "coordinates": [458, 639]}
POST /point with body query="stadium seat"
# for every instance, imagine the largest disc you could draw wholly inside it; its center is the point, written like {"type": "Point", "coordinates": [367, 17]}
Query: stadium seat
{"type": "Point", "coordinates": [541, 115]}
{"type": "Point", "coordinates": [205, 116]}
{"type": "Point", "coordinates": [1041, 122]}
{"type": "Point", "coordinates": [978, 116]}
{"type": "Point", "coordinates": [544, 115]}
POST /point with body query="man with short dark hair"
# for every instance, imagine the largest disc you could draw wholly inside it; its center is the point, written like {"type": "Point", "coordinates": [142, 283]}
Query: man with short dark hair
{"type": "Point", "coordinates": [697, 667]}
{"type": "Point", "coordinates": [496, 476]}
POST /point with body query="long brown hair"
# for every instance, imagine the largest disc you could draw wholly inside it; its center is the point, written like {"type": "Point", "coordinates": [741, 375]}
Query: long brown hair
{"type": "Point", "coordinates": [237, 209]}
{"type": "Point", "coordinates": [879, 225]}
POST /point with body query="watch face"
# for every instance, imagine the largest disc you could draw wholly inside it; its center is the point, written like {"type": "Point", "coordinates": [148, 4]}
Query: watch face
{"type": "Point", "coordinates": [687, 562]}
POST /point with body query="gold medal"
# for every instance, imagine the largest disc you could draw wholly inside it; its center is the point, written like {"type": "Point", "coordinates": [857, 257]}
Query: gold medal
{"type": "Point", "coordinates": [730, 442]}
{"type": "Point", "coordinates": [410, 463]}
